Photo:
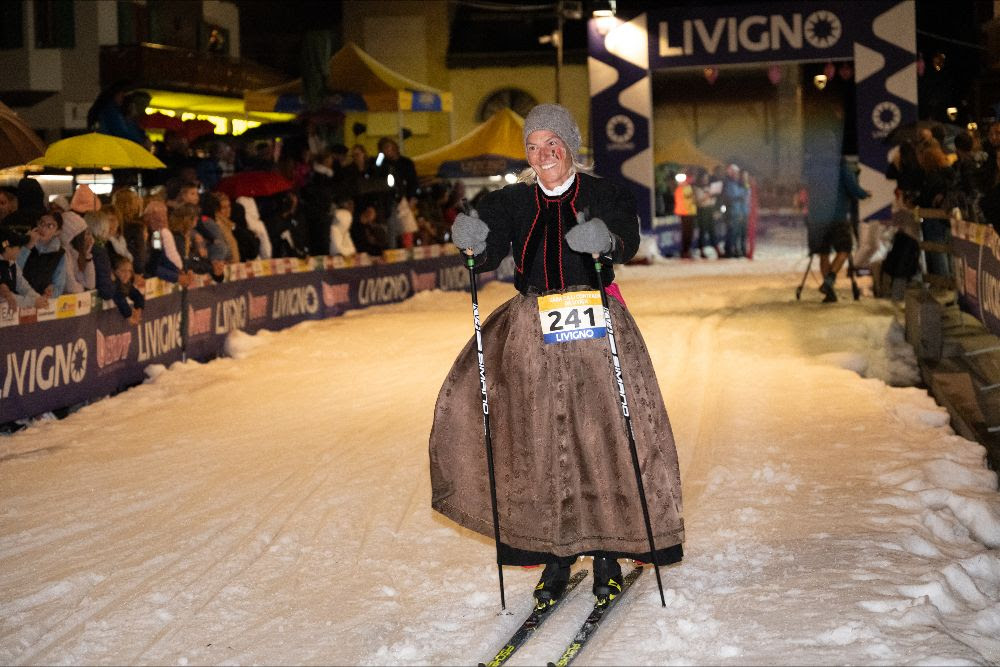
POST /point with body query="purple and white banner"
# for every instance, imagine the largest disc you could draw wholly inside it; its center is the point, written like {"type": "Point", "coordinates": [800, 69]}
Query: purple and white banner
{"type": "Point", "coordinates": [878, 35]}
{"type": "Point", "coordinates": [81, 349]}
{"type": "Point", "coordinates": [976, 263]}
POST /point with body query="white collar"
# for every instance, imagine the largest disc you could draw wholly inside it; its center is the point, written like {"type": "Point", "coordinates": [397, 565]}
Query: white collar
{"type": "Point", "coordinates": [559, 189]}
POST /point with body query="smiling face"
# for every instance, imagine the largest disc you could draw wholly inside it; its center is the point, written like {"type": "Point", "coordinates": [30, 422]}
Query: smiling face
{"type": "Point", "coordinates": [549, 157]}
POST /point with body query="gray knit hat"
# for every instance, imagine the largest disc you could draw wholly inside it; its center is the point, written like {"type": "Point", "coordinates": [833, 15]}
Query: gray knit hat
{"type": "Point", "coordinates": [555, 118]}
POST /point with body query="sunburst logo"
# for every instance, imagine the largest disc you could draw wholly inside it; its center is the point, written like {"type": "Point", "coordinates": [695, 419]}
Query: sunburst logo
{"type": "Point", "coordinates": [886, 116]}
{"type": "Point", "coordinates": [620, 129]}
{"type": "Point", "coordinates": [823, 29]}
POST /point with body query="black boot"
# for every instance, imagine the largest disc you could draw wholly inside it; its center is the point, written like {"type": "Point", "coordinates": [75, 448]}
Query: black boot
{"type": "Point", "coordinates": [827, 288]}
{"type": "Point", "coordinates": [551, 586]}
{"type": "Point", "coordinates": [607, 579]}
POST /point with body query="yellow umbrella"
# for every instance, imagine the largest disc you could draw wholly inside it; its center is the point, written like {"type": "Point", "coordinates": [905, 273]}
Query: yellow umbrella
{"type": "Point", "coordinates": [97, 151]}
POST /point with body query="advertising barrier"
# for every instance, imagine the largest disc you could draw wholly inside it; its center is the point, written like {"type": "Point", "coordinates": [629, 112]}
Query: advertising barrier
{"type": "Point", "coordinates": [81, 348]}
{"type": "Point", "coordinates": [976, 263]}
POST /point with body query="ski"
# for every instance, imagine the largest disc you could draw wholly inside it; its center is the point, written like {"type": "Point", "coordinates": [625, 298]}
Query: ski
{"type": "Point", "coordinates": [532, 623]}
{"type": "Point", "coordinates": [593, 621]}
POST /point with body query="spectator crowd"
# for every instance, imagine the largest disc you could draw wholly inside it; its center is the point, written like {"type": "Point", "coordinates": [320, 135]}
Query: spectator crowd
{"type": "Point", "coordinates": [339, 201]}
{"type": "Point", "coordinates": [937, 179]}
{"type": "Point", "coordinates": [717, 210]}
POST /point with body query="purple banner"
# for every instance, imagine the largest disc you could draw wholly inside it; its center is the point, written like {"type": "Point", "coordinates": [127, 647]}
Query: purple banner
{"type": "Point", "coordinates": [878, 35]}
{"type": "Point", "coordinates": [77, 351]}
{"type": "Point", "coordinates": [976, 263]}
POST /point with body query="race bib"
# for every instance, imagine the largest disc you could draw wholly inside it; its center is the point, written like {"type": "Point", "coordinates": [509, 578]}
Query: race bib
{"type": "Point", "coordinates": [571, 316]}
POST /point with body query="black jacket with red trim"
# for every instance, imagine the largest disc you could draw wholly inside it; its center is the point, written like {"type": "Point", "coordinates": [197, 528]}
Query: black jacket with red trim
{"type": "Point", "coordinates": [523, 220]}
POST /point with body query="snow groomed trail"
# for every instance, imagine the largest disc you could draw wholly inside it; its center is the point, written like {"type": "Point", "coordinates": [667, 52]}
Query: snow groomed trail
{"type": "Point", "coordinates": [274, 507]}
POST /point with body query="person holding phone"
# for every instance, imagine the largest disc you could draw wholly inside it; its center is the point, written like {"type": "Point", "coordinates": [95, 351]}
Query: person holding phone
{"type": "Point", "coordinates": [164, 261]}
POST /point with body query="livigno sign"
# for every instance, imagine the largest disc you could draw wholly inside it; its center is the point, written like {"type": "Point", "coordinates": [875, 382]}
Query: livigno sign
{"type": "Point", "coordinates": [726, 38]}
{"type": "Point", "coordinates": [879, 36]}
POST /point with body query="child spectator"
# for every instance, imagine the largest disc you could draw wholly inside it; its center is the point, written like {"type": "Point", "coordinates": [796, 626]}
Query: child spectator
{"type": "Point", "coordinates": [14, 289]}
{"type": "Point", "coordinates": [126, 290]}
{"type": "Point", "coordinates": [182, 192]}
{"type": "Point", "coordinates": [42, 260]}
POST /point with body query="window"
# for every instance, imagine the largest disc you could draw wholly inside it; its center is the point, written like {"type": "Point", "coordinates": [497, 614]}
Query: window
{"type": "Point", "coordinates": [514, 99]}
{"type": "Point", "coordinates": [54, 24]}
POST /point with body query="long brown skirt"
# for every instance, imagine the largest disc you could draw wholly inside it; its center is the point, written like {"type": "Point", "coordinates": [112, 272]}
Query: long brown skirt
{"type": "Point", "coordinates": [564, 474]}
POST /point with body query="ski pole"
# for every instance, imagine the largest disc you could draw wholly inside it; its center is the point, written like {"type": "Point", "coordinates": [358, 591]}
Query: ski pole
{"type": "Point", "coordinates": [620, 386]}
{"type": "Point", "coordinates": [471, 263]}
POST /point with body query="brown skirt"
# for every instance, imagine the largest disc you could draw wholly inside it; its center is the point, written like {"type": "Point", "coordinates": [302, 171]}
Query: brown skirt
{"type": "Point", "coordinates": [564, 474]}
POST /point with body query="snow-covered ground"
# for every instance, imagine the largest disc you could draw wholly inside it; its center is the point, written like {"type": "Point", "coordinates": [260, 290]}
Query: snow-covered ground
{"type": "Point", "coordinates": [274, 507]}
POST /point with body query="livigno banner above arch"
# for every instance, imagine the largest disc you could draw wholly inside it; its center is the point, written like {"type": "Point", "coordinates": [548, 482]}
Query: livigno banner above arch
{"type": "Point", "coordinates": [878, 35]}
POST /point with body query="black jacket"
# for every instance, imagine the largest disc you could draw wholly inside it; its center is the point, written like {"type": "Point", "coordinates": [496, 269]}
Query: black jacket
{"type": "Point", "coordinates": [524, 220]}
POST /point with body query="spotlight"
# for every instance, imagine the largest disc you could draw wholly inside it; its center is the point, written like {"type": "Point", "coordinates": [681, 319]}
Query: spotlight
{"type": "Point", "coordinates": [820, 81]}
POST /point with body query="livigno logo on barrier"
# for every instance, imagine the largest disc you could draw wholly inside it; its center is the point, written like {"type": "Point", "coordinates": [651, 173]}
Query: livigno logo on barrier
{"type": "Point", "coordinates": [45, 368]}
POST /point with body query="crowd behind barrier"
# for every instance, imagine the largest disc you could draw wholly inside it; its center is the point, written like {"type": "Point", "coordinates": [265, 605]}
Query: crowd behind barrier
{"type": "Point", "coordinates": [945, 185]}
{"type": "Point", "coordinates": [80, 348]}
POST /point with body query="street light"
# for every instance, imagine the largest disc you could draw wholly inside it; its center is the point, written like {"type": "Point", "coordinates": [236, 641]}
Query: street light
{"type": "Point", "coordinates": [565, 9]}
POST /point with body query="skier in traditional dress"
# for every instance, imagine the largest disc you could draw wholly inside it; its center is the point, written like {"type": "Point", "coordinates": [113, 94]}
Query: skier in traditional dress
{"type": "Point", "coordinates": [565, 483]}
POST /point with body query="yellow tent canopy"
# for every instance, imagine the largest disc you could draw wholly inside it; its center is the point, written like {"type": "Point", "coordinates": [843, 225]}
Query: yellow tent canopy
{"type": "Point", "coordinates": [212, 105]}
{"type": "Point", "coordinates": [358, 82]}
{"type": "Point", "coordinates": [683, 152]}
{"type": "Point", "coordinates": [494, 147]}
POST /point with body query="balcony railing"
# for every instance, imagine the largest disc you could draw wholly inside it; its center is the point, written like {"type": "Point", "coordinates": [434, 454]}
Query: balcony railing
{"type": "Point", "coordinates": [149, 65]}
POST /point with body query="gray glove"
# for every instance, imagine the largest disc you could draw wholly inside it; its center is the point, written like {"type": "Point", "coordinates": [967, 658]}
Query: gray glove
{"type": "Point", "coordinates": [591, 237]}
{"type": "Point", "coordinates": [468, 231]}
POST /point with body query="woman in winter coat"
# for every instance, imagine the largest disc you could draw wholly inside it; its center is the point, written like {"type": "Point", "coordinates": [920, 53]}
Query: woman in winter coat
{"type": "Point", "coordinates": [216, 205]}
{"type": "Point", "coordinates": [128, 205]}
{"type": "Point", "coordinates": [78, 243]}
{"type": "Point", "coordinates": [42, 260]}
{"type": "Point", "coordinates": [564, 477]}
